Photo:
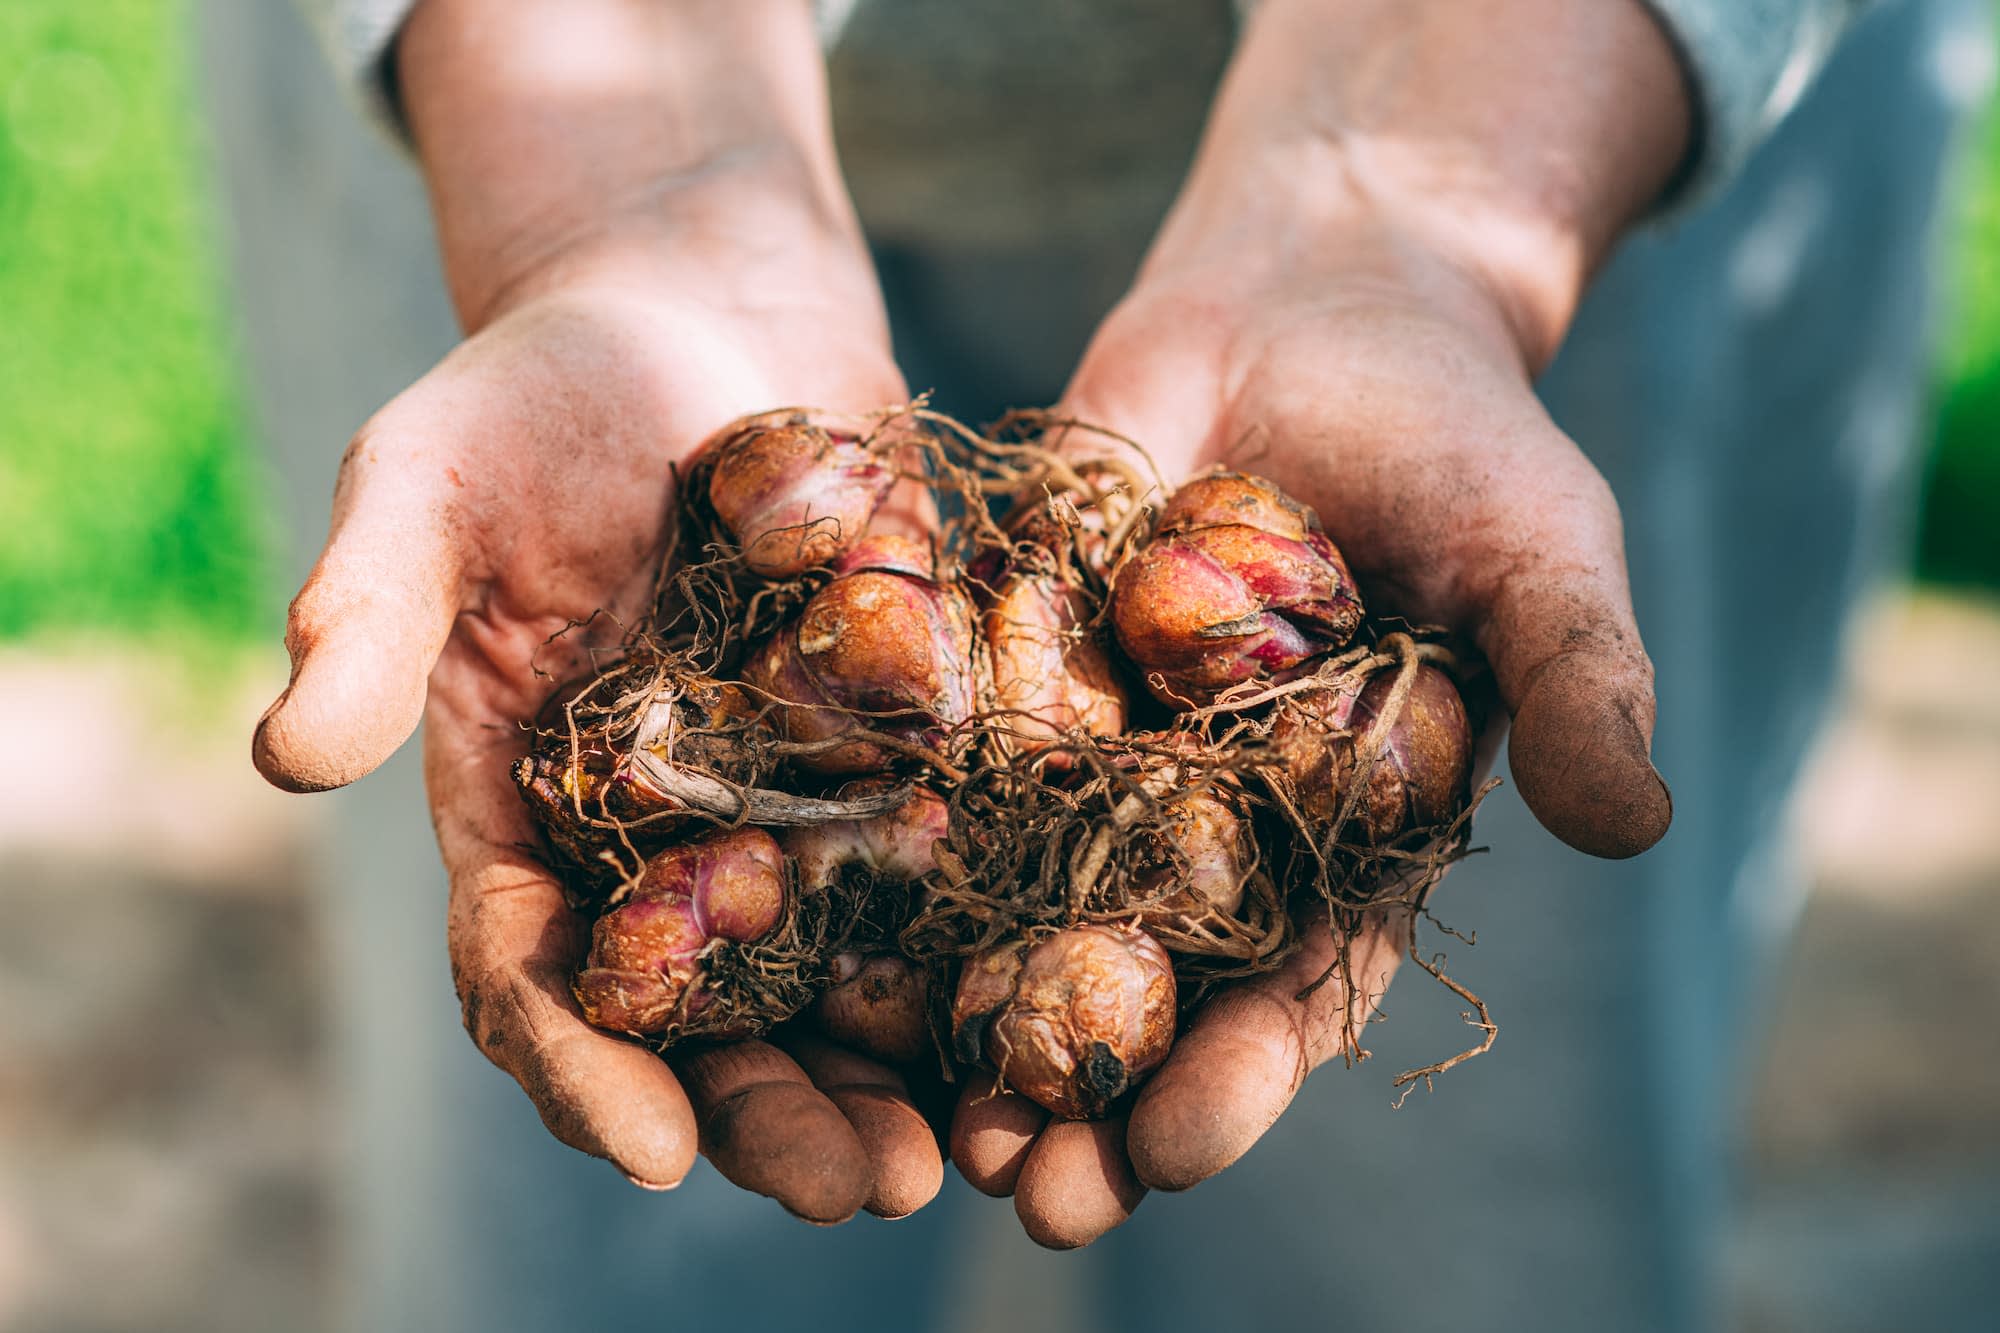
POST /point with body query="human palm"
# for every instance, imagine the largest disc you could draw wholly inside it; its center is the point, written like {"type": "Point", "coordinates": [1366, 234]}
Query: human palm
{"type": "Point", "coordinates": [1386, 388]}
{"type": "Point", "coordinates": [519, 487]}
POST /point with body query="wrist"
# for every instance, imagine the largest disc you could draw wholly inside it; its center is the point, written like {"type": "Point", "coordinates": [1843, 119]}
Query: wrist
{"type": "Point", "coordinates": [564, 140]}
{"type": "Point", "coordinates": [1503, 145]}
{"type": "Point", "coordinates": [724, 246]}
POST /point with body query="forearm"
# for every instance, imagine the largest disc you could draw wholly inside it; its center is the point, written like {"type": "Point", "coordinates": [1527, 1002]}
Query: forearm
{"type": "Point", "coordinates": [1516, 137]}
{"type": "Point", "coordinates": [559, 135]}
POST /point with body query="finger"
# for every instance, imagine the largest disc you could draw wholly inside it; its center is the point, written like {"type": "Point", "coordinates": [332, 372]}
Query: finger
{"type": "Point", "coordinates": [992, 1133]}
{"type": "Point", "coordinates": [768, 1129]}
{"type": "Point", "coordinates": [1077, 1184]}
{"type": "Point", "coordinates": [514, 942]}
{"type": "Point", "coordinates": [370, 621]}
{"type": "Point", "coordinates": [902, 1151]}
{"type": "Point", "coordinates": [1556, 623]}
{"type": "Point", "coordinates": [1247, 1054]}
{"type": "Point", "coordinates": [1519, 543]}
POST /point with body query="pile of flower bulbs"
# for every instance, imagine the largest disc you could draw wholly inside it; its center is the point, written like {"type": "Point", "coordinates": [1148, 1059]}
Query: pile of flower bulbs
{"type": "Point", "coordinates": [1014, 784]}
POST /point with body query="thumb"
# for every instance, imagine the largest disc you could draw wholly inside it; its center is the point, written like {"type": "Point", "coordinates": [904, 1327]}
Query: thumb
{"type": "Point", "coordinates": [1580, 753]}
{"type": "Point", "coordinates": [1559, 631]}
{"type": "Point", "coordinates": [367, 626]}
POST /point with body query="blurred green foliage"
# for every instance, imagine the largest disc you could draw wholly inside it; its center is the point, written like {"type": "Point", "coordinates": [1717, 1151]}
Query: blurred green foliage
{"type": "Point", "coordinates": [130, 495]}
{"type": "Point", "coordinates": [1960, 539]}
{"type": "Point", "coordinates": [131, 498]}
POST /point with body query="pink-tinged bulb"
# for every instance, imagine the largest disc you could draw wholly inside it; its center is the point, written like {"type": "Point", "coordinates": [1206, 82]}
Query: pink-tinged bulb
{"type": "Point", "coordinates": [1237, 583]}
{"type": "Point", "coordinates": [795, 492]}
{"type": "Point", "coordinates": [895, 847]}
{"type": "Point", "coordinates": [1423, 771]}
{"type": "Point", "coordinates": [1190, 862]}
{"type": "Point", "coordinates": [883, 647]}
{"type": "Point", "coordinates": [877, 1004]}
{"type": "Point", "coordinates": [645, 972]}
{"type": "Point", "coordinates": [1206, 880]}
{"type": "Point", "coordinates": [1074, 1020]}
{"type": "Point", "coordinates": [1049, 675]}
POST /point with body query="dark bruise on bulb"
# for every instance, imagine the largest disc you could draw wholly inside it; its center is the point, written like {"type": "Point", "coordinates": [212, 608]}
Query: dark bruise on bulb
{"type": "Point", "coordinates": [1074, 1020]}
{"type": "Point", "coordinates": [878, 1004]}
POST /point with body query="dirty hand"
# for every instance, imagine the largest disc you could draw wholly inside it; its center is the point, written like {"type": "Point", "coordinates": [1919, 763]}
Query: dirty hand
{"type": "Point", "coordinates": [1391, 220]}
{"type": "Point", "coordinates": [631, 277]}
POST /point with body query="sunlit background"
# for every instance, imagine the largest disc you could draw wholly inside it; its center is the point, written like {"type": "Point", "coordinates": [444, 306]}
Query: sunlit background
{"type": "Point", "coordinates": [164, 1109]}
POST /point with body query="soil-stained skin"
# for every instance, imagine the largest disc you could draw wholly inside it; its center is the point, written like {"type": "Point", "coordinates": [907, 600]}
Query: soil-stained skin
{"type": "Point", "coordinates": [1074, 1020]}
{"type": "Point", "coordinates": [644, 966]}
{"type": "Point", "coordinates": [1236, 584]}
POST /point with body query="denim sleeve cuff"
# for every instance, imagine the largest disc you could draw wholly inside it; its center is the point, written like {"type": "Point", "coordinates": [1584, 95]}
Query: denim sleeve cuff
{"type": "Point", "coordinates": [359, 38]}
{"type": "Point", "coordinates": [1747, 63]}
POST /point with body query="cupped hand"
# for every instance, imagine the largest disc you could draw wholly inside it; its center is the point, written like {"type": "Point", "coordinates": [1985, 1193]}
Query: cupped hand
{"type": "Point", "coordinates": [1229, 1077]}
{"type": "Point", "coordinates": [521, 485]}
{"type": "Point", "coordinates": [1385, 385]}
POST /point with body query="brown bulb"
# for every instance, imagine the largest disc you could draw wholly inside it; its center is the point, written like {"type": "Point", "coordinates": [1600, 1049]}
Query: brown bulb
{"type": "Point", "coordinates": [883, 647]}
{"type": "Point", "coordinates": [877, 1004]}
{"type": "Point", "coordinates": [1074, 1020]}
{"type": "Point", "coordinates": [645, 973]}
{"type": "Point", "coordinates": [1422, 772]}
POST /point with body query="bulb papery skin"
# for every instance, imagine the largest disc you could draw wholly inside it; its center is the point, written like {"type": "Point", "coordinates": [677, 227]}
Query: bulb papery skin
{"type": "Point", "coordinates": [1218, 861]}
{"type": "Point", "coordinates": [883, 647]}
{"type": "Point", "coordinates": [1073, 1020]}
{"type": "Point", "coordinates": [577, 781]}
{"type": "Point", "coordinates": [1051, 667]}
{"type": "Point", "coordinates": [1422, 772]}
{"type": "Point", "coordinates": [1050, 675]}
{"type": "Point", "coordinates": [877, 1004]}
{"type": "Point", "coordinates": [895, 847]}
{"type": "Point", "coordinates": [645, 968]}
{"type": "Point", "coordinates": [794, 490]}
{"type": "Point", "coordinates": [1237, 583]}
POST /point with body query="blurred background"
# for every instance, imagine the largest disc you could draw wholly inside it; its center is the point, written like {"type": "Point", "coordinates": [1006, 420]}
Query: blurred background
{"type": "Point", "coordinates": [169, 1104]}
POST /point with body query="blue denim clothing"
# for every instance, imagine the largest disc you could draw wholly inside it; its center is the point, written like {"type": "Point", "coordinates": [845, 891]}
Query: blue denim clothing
{"type": "Point", "coordinates": [975, 63]}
